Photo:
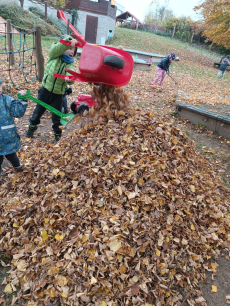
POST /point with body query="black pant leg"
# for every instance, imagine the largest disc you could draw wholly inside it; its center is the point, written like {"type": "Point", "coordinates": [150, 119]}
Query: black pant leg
{"type": "Point", "coordinates": [13, 158]}
{"type": "Point", "coordinates": [1, 161]}
{"type": "Point", "coordinates": [37, 114]}
{"type": "Point", "coordinates": [65, 104]}
{"type": "Point", "coordinates": [44, 96]}
{"type": "Point", "coordinates": [56, 102]}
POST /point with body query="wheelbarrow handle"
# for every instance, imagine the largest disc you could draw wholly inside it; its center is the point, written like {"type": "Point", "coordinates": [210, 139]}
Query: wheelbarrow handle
{"type": "Point", "coordinates": [46, 106]}
{"type": "Point", "coordinates": [79, 38]}
{"type": "Point", "coordinates": [69, 43]}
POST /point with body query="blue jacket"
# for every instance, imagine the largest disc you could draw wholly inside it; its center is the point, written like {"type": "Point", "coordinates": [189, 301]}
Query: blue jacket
{"type": "Point", "coordinates": [164, 63]}
{"type": "Point", "coordinates": [9, 138]}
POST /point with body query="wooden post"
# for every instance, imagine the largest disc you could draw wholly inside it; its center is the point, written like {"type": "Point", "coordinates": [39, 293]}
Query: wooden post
{"type": "Point", "coordinates": [46, 4]}
{"type": "Point", "coordinates": [155, 28]}
{"type": "Point", "coordinates": [9, 41]}
{"type": "Point", "coordinates": [68, 27]}
{"type": "Point", "coordinates": [137, 25]}
{"type": "Point", "coordinates": [192, 38]}
{"type": "Point", "coordinates": [39, 55]}
{"type": "Point", "coordinates": [210, 47]}
{"type": "Point", "coordinates": [174, 29]}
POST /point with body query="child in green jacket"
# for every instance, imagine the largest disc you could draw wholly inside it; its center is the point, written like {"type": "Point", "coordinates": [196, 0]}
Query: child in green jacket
{"type": "Point", "coordinates": [53, 89]}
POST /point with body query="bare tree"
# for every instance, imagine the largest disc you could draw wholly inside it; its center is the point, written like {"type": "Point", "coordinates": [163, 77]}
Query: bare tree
{"type": "Point", "coordinates": [157, 12]}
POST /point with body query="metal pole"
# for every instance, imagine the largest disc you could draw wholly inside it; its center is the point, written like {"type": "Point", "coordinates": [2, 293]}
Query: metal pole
{"type": "Point", "coordinates": [46, 11]}
{"type": "Point", "coordinates": [68, 27]}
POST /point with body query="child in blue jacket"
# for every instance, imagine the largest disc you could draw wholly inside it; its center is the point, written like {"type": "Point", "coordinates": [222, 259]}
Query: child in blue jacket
{"type": "Point", "coordinates": [9, 138]}
{"type": "Point", "coordinates": [163, 67]}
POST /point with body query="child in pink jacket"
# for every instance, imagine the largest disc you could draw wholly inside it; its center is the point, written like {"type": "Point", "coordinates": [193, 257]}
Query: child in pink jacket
{"type": "Point", "coordinates": [163, 67]}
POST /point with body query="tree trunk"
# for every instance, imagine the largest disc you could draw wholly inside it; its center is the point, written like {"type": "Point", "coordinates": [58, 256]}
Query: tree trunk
{"type": "Point", "coordinates": [155, 28]}
{"type": "Point", "coordinates": [174, 29]}
{"type": "Point", "coordinates": [192, 38]}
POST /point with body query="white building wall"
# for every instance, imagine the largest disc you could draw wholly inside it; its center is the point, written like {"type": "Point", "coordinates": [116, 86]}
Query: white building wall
{"type": "Point", "coordinates": [105, 23]}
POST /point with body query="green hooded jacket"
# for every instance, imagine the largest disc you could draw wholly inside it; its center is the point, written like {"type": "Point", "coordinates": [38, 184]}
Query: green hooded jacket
{"type": "Point", "coordinates": [55, 64]}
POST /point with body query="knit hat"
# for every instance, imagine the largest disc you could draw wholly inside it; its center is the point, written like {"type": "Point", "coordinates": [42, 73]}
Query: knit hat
{"type": "Point", "coordinates": [228, 56]}
{"type": "Point", "coordinates": [172, 56]}
{"type": "Point", "coordinates": [68, 36]}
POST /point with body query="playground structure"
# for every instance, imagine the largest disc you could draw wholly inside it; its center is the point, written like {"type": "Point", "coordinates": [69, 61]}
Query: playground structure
{"type": "Point", "coordinates": [20, 54]}
{"type": "Point", "coordinates": [215, 118]}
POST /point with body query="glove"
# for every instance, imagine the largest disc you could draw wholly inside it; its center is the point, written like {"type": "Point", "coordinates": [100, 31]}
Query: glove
{"type": "Point", "coordinates": [68, 91]}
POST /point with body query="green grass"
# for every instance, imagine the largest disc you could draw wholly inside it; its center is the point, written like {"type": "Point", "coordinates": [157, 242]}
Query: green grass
{"type": "Point", "coordinates": [135, 39]}
{"type": "Point", "coordinates": [195, 62]}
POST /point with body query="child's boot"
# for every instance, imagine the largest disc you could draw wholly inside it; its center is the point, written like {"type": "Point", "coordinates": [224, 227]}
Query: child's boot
{"type": "Point", "coordinates": [57, 137]}
{"type": "Point", "coordinates": [160, 84]}
{"type": "Point", "coordinates": [31, 130]}
{"type": "Point", "coordinates": [21, 168]}
{"type": "Point", "coordinates": [154, 83]}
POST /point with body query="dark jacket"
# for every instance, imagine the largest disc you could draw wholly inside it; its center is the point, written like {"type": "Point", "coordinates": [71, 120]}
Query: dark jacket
{"type": "Point", "coordinates": [9, 138]}
{"type": "Point", "coordinates": [164, 63]}
{"type": "Point", "coordinates": [224, 63]}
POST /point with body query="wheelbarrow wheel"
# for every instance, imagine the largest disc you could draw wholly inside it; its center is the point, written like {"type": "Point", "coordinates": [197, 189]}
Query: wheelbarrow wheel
{"type": "Point", "coordinates": [81, 108]}
{"type": "Point", "coordinates": [73, 107]}
{"type": "Point", "coordinates": [114, 61]}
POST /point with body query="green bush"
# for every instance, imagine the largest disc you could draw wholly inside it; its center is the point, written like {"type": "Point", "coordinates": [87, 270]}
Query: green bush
{"type": "Point", "coordinates": [27, 20]}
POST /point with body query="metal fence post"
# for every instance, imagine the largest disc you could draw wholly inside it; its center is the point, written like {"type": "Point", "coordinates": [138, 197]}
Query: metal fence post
{"type": "Point", "coordinates": [68, 27]}
{"type": "Point", "coordinates": [39, 55]}
{"type": "Point", "coordinates": [46, 4]}
{"type": "Point", "coordinates": [9, 41]}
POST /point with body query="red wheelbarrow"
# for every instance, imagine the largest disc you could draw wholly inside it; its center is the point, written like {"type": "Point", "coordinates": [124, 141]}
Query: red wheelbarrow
{"type": "Point", "coordinates": [100, 64]}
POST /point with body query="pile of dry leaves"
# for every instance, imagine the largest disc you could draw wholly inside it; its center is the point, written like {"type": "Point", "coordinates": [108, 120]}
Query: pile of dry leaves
{"type": "Point", "coordinates": [124, 213]}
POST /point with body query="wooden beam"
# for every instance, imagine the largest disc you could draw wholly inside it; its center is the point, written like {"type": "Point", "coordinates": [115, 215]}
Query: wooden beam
{"type": "Point", "coordinates": [9, 41]}
{"type": "Point", "coordinates": [39, 55]}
